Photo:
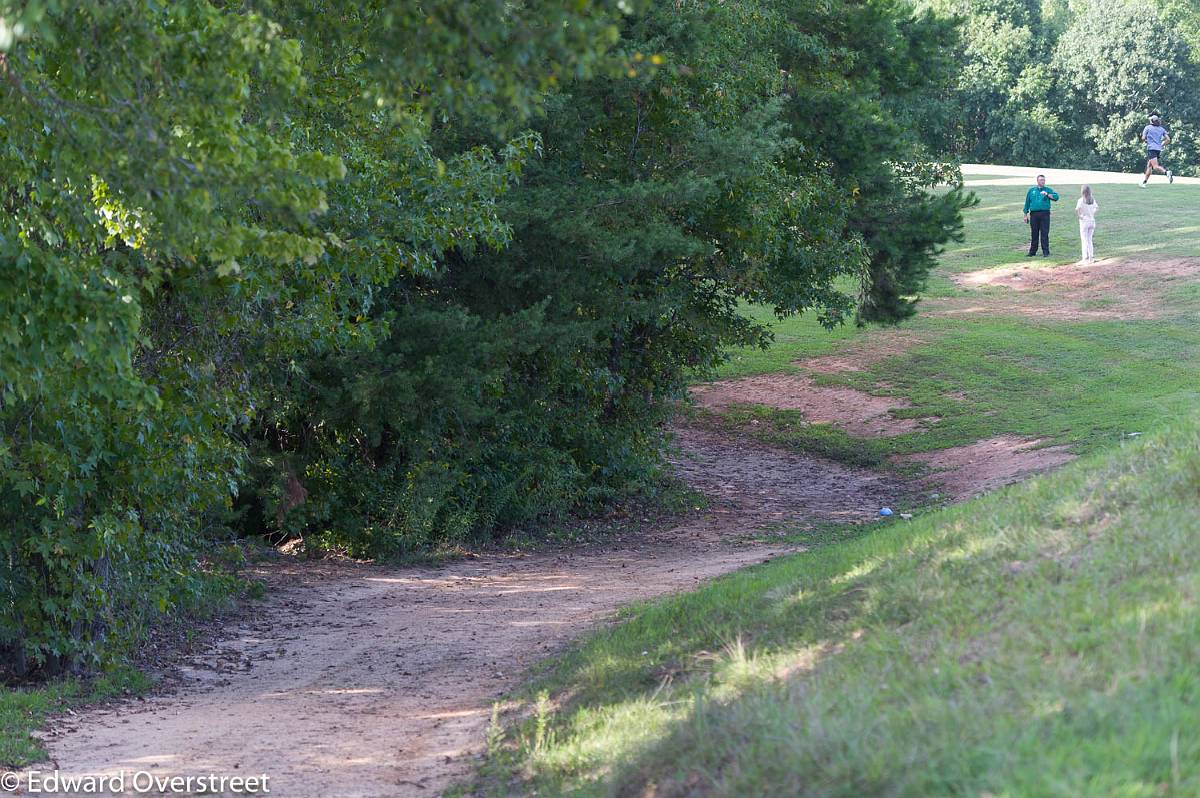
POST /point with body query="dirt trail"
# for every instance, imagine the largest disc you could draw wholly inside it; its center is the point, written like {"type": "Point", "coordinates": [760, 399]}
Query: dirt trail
{"type": "Point", "coordinates": [1110, 288]}
{"type": "Point", "coordinates": [357, 680]}
{"type": "Point", "coordinates": [858, 413]}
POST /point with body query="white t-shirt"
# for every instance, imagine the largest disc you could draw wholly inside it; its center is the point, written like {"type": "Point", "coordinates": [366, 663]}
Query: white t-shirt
{"type": "Point", "coordinates": [1085, 212]}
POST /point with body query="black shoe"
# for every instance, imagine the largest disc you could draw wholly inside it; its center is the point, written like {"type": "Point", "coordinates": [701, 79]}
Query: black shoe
{"type": "Point", "coordinates": [1045, 254]}
{"type": "Point", "coordinates": [1031, 254]}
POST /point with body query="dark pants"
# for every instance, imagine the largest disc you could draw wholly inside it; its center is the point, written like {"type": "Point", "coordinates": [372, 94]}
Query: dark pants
{"type": "Point", "coordinates": [1039, 228]}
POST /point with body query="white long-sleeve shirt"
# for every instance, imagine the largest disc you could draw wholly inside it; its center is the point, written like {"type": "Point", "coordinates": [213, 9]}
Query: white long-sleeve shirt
{"type": "Point", "coordinates": [1085, 212]}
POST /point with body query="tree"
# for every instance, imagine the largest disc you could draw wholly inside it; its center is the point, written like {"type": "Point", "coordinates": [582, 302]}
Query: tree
{"type": "Point", "coordinates": [149, 207]}
{"type": "Point", "coordinates": [1183, 16]}
{"type": "Point", "coordinates": [391, 276]}
{"type": "Point", "coordinates": [1114, 75]}
{"type": "Point", "coordinates": [661, 198]}
{"type": "Point", "coordinates": [167, 261]}
{"type": "Point", "coordinates": [861, 111]}
{"type": "Point", "coordinates": [1068, 83]}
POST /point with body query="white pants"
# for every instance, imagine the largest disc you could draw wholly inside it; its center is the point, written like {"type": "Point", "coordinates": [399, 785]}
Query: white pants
{"type": "Point", "coordinates": [1086, 230]}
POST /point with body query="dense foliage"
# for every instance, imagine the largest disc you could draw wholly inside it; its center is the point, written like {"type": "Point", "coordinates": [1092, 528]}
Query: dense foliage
{"type": "Point", "coordinates": [393, 275]}
{"type": "Point", "coordinates": [1070, 83]}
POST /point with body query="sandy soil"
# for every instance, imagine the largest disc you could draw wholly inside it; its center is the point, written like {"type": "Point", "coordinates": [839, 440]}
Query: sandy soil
{"type": "Point", "coordinates": [1101, 276]}
{"type": "Point", "coordinates": [964, 472]}
{"type": "Point", "coordinates": [876, 346]}
{"type": "Point", "coordinates": [957, 473]}
{"type": "Point", "coordinates": [1113, 288]}
{"type": "Point", "coordinates": [761, 486]}
{"type": "Point", "coordinates": [356, 680]}
{"type": "Point", "coordinates": [856, 412]}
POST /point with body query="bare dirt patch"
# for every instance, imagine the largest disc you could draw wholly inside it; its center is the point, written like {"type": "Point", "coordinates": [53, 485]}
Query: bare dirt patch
{"type": "Point", "coordinates": [967, 471]}
{"type": "Point", "coordinates": [361, 680]}
{"type": "Point", "coordinates": [763, 484]}
{"type": "Point", "coordinates": [1115, 288]}
{"type": "Point", "coordinates": [858, 413]}
{"type": "Point", "coordinates": [874, 349]}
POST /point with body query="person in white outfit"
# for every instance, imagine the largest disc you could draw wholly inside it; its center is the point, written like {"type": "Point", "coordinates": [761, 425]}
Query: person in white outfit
{"type": "Point", "coordinates": [1086, 209]}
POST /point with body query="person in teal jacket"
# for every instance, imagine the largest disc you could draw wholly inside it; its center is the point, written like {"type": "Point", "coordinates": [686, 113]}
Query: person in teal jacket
{"type": "Point", "coordinates": [1037, 215]}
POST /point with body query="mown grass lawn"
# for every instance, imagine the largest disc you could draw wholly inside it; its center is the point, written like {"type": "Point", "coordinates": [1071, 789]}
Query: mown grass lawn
{"type": "Point", "coordinates": [1159, 221]}
{"type": "Point", "coordinates": [1040, 641]}
{"type": "Point", "coordinates": [1084, 383]}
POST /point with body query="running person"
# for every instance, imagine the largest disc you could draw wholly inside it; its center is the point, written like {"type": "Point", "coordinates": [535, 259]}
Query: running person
{"type": "Point", "coordinates": [1156, 137]}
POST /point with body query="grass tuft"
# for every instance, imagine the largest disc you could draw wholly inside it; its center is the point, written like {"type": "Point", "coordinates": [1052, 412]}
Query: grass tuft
{"type": "Point", "coordinates": [24, 709]}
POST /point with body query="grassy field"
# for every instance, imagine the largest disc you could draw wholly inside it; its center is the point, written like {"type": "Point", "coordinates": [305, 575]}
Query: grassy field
{"type": "Point", "coordinates": [1040, 641]}
{"type": "Point", "coordinates": [1083, 382]}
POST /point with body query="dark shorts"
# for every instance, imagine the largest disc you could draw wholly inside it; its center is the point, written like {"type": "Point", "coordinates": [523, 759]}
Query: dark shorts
{"type": "Point", "coordinates": [1152, 154]}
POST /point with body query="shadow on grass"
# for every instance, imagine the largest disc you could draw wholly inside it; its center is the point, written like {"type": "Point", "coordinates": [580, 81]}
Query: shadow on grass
{"type": "Point", "coordinates": [1035, 642]}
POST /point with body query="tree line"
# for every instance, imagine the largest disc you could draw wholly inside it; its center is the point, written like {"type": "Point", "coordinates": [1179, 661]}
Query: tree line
{"type": "Point", "coordinates": [391, 276]}
{"type": "Point", "coordinates": [1070, 83]}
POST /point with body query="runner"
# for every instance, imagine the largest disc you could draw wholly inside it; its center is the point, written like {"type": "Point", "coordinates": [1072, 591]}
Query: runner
{"type": "Point", "coordinates": [1156, 137]}
{"type": "Point", "coordinates": [1037, 215]}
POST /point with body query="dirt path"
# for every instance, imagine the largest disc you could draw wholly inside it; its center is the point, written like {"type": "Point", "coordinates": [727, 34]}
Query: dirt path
{"type": "Point", "coordinates": [357, 680]}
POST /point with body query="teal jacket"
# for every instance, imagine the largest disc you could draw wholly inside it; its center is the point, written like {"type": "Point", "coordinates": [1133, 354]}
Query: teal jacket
{"type": "Point", "coordinates": [1034, 201]}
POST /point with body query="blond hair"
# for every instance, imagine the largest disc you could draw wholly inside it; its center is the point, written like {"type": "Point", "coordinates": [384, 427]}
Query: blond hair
{"type": "Point", "coordinates": [1086, 193]}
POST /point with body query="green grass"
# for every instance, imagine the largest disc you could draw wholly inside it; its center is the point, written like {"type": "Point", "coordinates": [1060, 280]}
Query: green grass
{"type": "Point", "coordinates": [1081, 384]}
{"type": "Point", "coordinates": [1040, 641]}
{"type": "Point", "coordinates": [23, 710]}
{"type": "Point", "coordinates": [1084, 384]}
{"type": "Point", "coordinates": [1159, 222]}
{"type": "Point", "coordinates": [1162, 221]}
{"type": "Point", "coordinates": [795, 336]}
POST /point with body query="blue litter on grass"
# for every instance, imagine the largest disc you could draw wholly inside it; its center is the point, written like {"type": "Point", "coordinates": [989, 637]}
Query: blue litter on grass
{"type": "Point", "coordinates": [886, 511]}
